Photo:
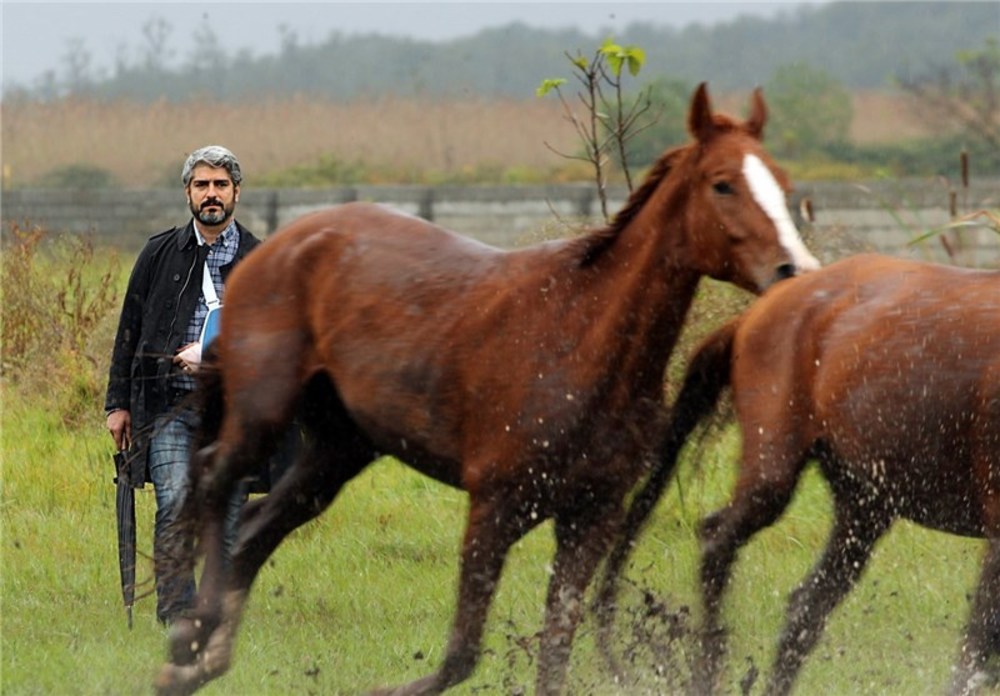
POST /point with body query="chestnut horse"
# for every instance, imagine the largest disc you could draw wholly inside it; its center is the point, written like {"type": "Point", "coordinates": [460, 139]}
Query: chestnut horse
{"type": "Point", "coordinates": [524, 377]}
{"type": "Point", "coordinates": [886, 372]}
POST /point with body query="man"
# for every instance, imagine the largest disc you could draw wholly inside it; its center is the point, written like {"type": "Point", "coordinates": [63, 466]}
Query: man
{"type": "Point", "coordinates": [165, 305]}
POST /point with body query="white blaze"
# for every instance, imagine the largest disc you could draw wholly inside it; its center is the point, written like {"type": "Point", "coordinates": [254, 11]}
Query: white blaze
{"type": "Point", "coordinates": [771, 198]}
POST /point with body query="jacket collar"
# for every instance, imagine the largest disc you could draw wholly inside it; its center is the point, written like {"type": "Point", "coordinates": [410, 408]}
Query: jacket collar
{"type": "Point", "coordinates": [187, 237]}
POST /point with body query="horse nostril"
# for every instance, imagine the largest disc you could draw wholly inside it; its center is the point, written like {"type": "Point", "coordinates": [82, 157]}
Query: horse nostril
{"type": "Point", "coordinates": [785, 270]}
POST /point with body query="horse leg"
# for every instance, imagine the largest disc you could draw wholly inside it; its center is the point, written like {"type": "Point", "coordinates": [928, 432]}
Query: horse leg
{"type": "Point", "coordinates": [981, 644]}
{"type": "Point", "coordinates": [979, 660]}
{"type": "Point", "coordinates": [855, 531]}
{"type": "Point", "coordinates": [757, 503]}
{"type": "Point", "coordinates": [493, 525]}
{"type": "Point", "coordinates": [259, 407]}
{"type": "Point", "coordinates": [202, 650]}
{"type": "Point", "coordinates": [303, 493]}
{"type": "Point", "coordinates": [216, 470]}
{"type": "Point", "coordinates": [582, 540]}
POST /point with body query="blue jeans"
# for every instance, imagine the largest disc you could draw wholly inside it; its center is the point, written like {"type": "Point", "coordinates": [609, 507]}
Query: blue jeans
{"type": "Point", "coordinates": [169, 452]}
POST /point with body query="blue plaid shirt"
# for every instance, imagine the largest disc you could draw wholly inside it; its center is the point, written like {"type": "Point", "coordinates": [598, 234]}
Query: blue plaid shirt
{"type": "Point", "coordinates": [220, 253]}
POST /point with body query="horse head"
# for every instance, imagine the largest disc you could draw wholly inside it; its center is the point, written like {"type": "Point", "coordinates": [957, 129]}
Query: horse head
{"type": "Point", "coordinates": [739, 228]}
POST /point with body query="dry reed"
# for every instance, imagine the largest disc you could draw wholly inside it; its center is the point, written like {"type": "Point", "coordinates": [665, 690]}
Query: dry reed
{"type": "Point", "coordinates": [143, 145]}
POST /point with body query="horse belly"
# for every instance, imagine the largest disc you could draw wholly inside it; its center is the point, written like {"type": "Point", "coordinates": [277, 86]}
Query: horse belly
{"type": "Point", "coordinates": [408, 424]}
{"type": "Point", "coordinates": [940, 495]}
{"type": "Point", "coordinates": [931, 483]}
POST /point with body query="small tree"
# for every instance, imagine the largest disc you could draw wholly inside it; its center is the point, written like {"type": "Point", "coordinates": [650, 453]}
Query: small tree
{"type": "Point", "coordinates": [610, 120]}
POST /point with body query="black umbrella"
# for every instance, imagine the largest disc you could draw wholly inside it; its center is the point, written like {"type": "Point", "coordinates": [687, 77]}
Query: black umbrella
{"type": "Point", "coordinates": [125, 514]}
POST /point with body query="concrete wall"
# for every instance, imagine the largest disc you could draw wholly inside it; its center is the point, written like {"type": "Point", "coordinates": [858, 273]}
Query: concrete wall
{"type": "Point", "coordinates": [882, 216]}
{"type": "Point", "coordinates": [889, 216]}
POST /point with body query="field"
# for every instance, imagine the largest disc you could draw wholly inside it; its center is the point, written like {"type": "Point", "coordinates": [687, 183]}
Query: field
{"type": "Point", "coordinates": [364, 595]}
{"type": "Point", "coordinates": [144, 146]}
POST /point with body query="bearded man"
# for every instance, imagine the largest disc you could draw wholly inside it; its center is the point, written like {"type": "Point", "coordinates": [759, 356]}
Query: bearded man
{"type": "Point", "coordinates": [178, 276]}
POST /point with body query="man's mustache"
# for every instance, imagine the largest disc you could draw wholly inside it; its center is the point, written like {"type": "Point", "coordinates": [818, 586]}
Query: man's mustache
{"type": "Point", "coordinates": [212, 202]}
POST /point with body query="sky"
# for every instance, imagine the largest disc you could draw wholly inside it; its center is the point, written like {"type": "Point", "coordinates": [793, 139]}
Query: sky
{"type": "Point", "coordinates": [37, 35]}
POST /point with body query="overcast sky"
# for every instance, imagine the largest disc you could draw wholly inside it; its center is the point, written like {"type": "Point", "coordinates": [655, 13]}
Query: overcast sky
{"type": "Point", "coordinates": [37, 35]}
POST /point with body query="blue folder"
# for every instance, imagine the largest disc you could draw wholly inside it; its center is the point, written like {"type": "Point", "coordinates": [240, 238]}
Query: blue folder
{"type": "Point", "coordinates": [210, 329]}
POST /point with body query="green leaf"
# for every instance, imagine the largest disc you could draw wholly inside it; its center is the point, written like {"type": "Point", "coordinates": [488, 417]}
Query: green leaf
{"type": "Point", "coordinates": [617, 56]}
{"type": "Point", "coordinates": [548, 85]}
{"type": "Point", "coordinates": [615, 62]}
{"type": "Point", "coordinates": [636, 59]}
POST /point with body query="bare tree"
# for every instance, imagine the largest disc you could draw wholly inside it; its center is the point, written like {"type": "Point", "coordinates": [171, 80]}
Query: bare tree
{"type": "Point", "coordinates": [77, 61]}
{"type": "Point", "coordinates": [157, 32]}
{"type": "Point", "coordinates": [965, 94]}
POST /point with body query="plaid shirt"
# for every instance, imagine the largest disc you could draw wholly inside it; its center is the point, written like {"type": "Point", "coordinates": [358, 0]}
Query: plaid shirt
{"type": "Point", "coordinates": [220, 253]}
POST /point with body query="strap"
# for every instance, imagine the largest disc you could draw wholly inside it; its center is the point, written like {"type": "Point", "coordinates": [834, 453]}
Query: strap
{"type": "Point", "coordinates": [208, 288]}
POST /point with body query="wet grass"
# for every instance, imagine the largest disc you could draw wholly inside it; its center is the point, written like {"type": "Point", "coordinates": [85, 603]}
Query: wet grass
{"type": "Point", "coordinates": [364, 595]}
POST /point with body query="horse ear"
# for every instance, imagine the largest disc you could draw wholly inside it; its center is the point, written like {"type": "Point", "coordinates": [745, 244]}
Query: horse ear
{"type": "Point", "coordinates": [700, 121]}
{"type": "Point", "coordinates": [758, 114]}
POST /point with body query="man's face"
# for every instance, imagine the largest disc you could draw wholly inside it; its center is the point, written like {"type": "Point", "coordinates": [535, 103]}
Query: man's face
{"type": "Point", "coordinates": [211, 195]}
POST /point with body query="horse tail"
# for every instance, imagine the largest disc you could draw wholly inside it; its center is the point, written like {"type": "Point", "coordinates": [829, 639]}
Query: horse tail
{"type": "Point", "coordinates": [706, 378]}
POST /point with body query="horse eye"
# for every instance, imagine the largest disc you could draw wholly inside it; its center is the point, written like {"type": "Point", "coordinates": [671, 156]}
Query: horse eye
{"type": "Point", "coordinates": [723, 188]}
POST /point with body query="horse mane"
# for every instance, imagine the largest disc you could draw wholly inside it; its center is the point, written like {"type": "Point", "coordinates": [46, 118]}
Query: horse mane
{"type": "Point", "coordinates": [594, 244]}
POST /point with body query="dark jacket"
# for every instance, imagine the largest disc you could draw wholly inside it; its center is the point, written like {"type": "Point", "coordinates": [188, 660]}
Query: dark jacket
{"type": "Point", "coordinates": [162, 295]}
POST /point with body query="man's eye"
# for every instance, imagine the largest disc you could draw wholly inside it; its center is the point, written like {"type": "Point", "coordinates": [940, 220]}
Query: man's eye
{"type": "Point", "coordinates": [723, 188]}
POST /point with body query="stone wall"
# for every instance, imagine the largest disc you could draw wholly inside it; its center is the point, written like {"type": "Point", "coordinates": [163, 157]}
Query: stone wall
{"type": "Point", "coordinates": [880, 216]}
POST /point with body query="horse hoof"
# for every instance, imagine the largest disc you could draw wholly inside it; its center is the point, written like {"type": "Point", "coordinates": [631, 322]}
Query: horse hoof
{"type": "Point", "coordinates": [185, 641]}
{"type": "Point", "coordinates": [169, 682]}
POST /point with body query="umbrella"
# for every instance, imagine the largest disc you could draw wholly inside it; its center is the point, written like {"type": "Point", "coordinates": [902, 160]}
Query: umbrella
{"type": "Point", "coordinates": [125, 514]}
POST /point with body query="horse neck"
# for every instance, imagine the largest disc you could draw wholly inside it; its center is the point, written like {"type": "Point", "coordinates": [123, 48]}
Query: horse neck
{"type": "Point", "coordinates": [649, 284]}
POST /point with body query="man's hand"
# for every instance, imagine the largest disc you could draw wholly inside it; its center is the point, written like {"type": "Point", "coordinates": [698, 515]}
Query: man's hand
{"type": "Point", "coordinates": [120, 427]}
{"type": "Point", "coordinates": [189, 357]}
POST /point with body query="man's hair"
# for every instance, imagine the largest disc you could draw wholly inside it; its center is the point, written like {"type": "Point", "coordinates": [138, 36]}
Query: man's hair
{"type": "Point", "coordinates": [216, 156]}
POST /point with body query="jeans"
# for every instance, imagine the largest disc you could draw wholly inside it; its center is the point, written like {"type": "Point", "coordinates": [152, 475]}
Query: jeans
{"type": "Point", "coordinates": [169, 452]}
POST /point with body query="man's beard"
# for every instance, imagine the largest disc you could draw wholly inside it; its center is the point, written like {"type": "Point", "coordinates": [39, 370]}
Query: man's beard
{"type": "Point", "coordinates": [214, 216]}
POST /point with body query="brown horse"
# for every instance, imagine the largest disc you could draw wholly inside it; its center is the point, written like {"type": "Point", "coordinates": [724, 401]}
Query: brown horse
{"type": "Point", "coordinates": [523, 377]}
{"type": "Point", "coordinates": [885, 371]}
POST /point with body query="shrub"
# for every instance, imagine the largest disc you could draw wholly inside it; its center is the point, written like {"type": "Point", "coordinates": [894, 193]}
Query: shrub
{"type": "Point", "coordinates": [58, 297]}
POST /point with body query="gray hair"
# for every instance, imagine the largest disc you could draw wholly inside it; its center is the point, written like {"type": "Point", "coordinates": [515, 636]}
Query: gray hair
{"type": "Point", "coordinates": [215, 156]}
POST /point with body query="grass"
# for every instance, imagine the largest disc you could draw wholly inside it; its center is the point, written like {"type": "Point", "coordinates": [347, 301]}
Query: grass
{"type": "Point", "coordinates": [364, 595]}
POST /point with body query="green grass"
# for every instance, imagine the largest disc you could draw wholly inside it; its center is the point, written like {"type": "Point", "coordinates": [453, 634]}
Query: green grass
{"type": "Point", "coordinates": [364, 595]}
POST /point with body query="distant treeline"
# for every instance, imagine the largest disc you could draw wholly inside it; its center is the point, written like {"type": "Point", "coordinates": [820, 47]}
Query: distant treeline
{"type": "Point", "coordinates": [860, 44]}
